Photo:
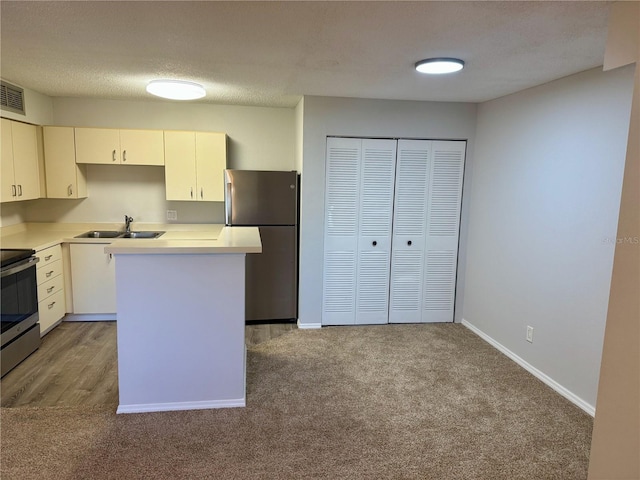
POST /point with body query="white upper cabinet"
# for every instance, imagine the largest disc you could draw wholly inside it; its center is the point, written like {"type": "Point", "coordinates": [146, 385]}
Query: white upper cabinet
{"type": "Point", "coordinates": [211, 160]}
{"type": "Point", "coordinates": [65, 178]}
{"type": "Point", "coordinates": [20, 174]}
{"type": "Point", "coordinates": [142, 147]}
{"type": "Point", "coordinates": [112, 146]}
{"type": "Point", "coordinates": [194, 165]}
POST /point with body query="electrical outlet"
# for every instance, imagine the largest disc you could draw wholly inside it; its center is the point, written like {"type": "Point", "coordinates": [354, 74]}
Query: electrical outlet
{"type": "Point", "coordinates": [529, 334]}
{"type": "Point", "coordinates": [172, 215]}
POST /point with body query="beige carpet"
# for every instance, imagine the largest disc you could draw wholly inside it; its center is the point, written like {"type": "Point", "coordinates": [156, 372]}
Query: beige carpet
{"type": "Point", "coordinates": [401, 402]}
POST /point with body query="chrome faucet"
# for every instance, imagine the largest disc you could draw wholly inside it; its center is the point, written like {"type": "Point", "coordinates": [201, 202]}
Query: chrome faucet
{"type": "Point", "coordinates": [127, 223]}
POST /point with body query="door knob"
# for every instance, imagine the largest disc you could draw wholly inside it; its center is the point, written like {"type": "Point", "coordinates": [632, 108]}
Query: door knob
{"type": "Point", "coordinates": [374, 243]}
{"type": "Point", "coordinates": [409, 243]}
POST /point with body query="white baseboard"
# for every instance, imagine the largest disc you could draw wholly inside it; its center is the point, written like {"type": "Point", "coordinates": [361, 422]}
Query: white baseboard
{"type": "Point", "coordinates": [572, 397]}
{"type": "Point", "coordinates": [89, 317]}
{"type": "Point", "coordinates": [307, 326]}
{"type": "Point", "coordinates": [174, 406]}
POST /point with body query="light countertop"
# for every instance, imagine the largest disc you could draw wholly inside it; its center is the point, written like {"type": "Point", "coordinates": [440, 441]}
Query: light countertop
{"type": "Point", "coordinates": [39, 236]}
{"type": "Point", "coordinates": [230, 240]}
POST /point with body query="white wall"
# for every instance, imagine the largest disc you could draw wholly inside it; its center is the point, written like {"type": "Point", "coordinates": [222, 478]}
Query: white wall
{"type": "Point", "coordinates": [38, 111]}
{"type": "Point", "coordinates": [38, 108]}
{"type": "Point", "coordinates": [544, 198]}
{"type": "Point", "coordinates": [325, 116]}
{"type": "Point", "coordinates": [259, 138]}
{"type": "Point", "coordinates": [299, 135]}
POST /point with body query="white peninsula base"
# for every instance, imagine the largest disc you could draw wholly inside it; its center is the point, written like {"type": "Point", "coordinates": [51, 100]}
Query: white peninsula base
{"type": "Point", "coordinates": [180, 326]}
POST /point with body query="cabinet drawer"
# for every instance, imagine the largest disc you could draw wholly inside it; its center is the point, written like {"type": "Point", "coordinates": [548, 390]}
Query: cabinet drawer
{"type": "Point", "coordinates": [51, 270]}
{"type": "Point", "coordinates": [51, 310]}
{"type": "Point", "coordinates": [48, 288]}
{"type": "Point", "coordinates": [48, 256]}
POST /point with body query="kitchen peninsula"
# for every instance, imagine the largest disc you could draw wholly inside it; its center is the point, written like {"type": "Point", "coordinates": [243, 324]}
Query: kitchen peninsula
{"type": "Point", "coordinates": [181, 321]}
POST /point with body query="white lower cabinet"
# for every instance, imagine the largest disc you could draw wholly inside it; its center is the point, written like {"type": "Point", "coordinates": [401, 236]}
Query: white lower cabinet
{"type": "Point", "coordinates": [50, 278]}
{"type": "Point", "coordinates": [392, 216]}
{"type": "Point", "coordinates": [93, 279]}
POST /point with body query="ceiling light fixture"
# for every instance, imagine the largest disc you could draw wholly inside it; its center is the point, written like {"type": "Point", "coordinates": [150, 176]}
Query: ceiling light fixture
{"type": "Point", "coordinates": [176, 89]}
{"type": "Point", "coordinates": [437, 66]}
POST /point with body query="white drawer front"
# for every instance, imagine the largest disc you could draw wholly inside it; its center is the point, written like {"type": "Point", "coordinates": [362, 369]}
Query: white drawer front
{"type": "Point", "coordinates": [48, 288]}
{"type": "Point", "coordinates": [50, 271]}
{"type": "Point", "coordinates": [48, 256]}
{"type": "Point", "coordinates": [50, 310]}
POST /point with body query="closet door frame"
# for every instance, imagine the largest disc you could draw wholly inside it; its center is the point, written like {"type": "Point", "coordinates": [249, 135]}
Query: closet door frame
{"type": "Point", "coordinates": [421, 261]}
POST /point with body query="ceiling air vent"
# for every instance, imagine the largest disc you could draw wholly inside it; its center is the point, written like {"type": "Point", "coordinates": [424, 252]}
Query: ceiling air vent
{"type": "Point", "coordinates": [12, 98]}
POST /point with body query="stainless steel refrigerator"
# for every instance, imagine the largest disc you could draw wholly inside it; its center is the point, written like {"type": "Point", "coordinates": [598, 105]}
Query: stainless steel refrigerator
{"type": "Point", "coordinates": [268, 200]}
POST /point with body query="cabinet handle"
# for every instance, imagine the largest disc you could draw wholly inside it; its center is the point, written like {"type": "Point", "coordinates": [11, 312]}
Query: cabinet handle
{"type": "Point", "coordinates": [113, 155]}
{"type": "Point", "coordinates": [48, 274]}
{"type": "Point", "coordinates": [14, 192]}
{"type": "Point", "coordinates": [191, 192]}
{"type": "Point", "coordinates": [70, 190]}
{"type": "Point", "coordinates": [124, 155]}
{"type": "Point", "coordinates": [374, 243]}
{"type": "Point", "coordinates": [47, 258]}
{"type": "Point", "coordinates": [409, 243]}
{"type": "Point", "coordinates": [51, 305]}
{"type": "Point", "coordinates": [201, 193]}
{"type": "Point", "coordinates": [19, 190]}
{"type": "Point", "coordinates": [50, 289]}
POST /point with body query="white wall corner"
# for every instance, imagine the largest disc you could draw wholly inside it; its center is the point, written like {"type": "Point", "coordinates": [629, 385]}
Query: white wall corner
{"type": "Point", "coordinates": [572, 397]}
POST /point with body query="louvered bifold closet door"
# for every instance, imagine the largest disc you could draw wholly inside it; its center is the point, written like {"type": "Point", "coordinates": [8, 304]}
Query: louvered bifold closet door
{"type": "Point", "coordinates": [443, 225]}
{"type": "Point", "coordinates": [375, 224]}
{"type": "Point", "coordinates": [342, 196]}
{"type": "Point", "coordinates": [409, 231]}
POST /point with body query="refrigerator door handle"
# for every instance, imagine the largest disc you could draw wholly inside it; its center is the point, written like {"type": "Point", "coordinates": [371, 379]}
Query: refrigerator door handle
{"type": "Point", "coordinates": [227, 205]}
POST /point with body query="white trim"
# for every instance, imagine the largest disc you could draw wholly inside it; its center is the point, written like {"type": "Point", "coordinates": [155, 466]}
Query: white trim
{"type": "Point", "coordinates": [308, 326]}
{"type": "Point", "coordinates": [89, 317]}
{"type": "Point", "coordinates": [572, 397]}
{"type": "Point", "coordinates": [174, 406]}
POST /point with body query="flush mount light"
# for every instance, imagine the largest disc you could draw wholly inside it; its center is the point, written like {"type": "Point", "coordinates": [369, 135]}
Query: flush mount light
{"type": "Point", "coordinates": [436, 66]}
{"type": "Point", "coordinates": [176, 89]}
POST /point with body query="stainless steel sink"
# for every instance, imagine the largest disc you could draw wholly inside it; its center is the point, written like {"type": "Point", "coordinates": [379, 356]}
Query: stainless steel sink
{"type": "Point", "coordinates": [141, 235]}
{"type": "Point", "coordinates": [116, 234]}
{"type": "Point", "coordinates": [100, 234]}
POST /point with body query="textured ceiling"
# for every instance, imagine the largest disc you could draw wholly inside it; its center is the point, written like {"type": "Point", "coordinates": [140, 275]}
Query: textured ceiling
{"type": "Point", "coordinates": [272, 53]}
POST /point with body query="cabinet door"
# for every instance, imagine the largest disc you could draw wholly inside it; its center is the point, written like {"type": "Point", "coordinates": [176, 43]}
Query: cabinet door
{"type": "Point", "coordinates": [97, 145]}
{"type": "Point", "coordinates": [93, 279]}
{"type": "Point", "coordinates": [25, 160]}
{"type": "Point", "coordinates": [341, 225]}
{"type": "Point", "coordinates": [443, 225]}
{"type": "Point", "coordinates": [409, 230]}
{"type": "Point", "coordinates": [65, 178]}
{"type": "Point", "coordinates": [211, 160]}
{"type": "Point", "coordinates": [8, 190]}
{"type": "Point", "coordinates": [180, 165]}
{"type": "Point", "coordinates": [142, 147]}
{"type": "Point", "coordinates": [378, 166]}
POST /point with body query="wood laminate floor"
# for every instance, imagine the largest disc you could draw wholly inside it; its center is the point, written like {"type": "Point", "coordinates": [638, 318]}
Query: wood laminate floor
{"type": "Point", "coordinates": [77, 364]}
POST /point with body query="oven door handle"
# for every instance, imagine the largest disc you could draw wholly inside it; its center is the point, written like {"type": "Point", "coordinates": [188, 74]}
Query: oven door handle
{"type": "Point", "coordinates": [20, 266]}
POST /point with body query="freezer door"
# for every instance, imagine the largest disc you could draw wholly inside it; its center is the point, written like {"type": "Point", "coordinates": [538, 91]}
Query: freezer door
{"type": "Point", "coordinates": [255, 197]}
{"type": "Point", "coordinates": [271, 279]}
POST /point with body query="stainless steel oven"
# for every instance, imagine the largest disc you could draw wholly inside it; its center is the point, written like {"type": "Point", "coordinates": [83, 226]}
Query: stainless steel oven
{"type": "Point", "coordinates": [20, 334]}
